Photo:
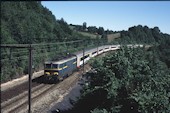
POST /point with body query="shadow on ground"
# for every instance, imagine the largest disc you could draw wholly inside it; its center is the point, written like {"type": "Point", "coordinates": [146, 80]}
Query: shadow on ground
{"type": "Point", "coordinates": [44, 80]}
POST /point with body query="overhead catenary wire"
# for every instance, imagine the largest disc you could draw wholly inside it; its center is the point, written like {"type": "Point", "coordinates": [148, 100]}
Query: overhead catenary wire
{"type": "Point", "coordinates": [48, 50]}
{"type": "Point", "coordinates": [33, 45]}
{"type": "Point", "coordinates": [34, 56]}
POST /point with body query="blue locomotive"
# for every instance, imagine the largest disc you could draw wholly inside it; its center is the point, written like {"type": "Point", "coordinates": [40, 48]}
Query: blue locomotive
{"type": "Point", "coordinates": [60, 69]}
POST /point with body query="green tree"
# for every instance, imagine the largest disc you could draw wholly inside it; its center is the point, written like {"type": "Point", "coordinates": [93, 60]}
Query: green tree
{"type": "Point", "coordinates": [131, 81]}
{"type": "Point", "coordinates": [84, 26]}
{"type": "Point", "coordinates": [100, 31]}
{"type": "Point", "coordinates": [30, 23]}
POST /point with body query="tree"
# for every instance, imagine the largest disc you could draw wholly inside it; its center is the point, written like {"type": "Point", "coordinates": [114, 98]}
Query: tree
{"type": "Point", "coordinates": [140, 34]}
{"type": "Point", "coordinates": [100, 31]}
{"type": "Point", "coordinates": [131, 81]}
{"type": "Point", "coordinates": [31, 22]}
{"type": "Point", "coordinates": [92, 29]}
{"type": "Point", "coordinates": [84, 26]}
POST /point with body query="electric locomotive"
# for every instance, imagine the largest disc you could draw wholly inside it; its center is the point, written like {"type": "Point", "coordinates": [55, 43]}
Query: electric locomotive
{"type": "Point", "coordinates": [58, 70]}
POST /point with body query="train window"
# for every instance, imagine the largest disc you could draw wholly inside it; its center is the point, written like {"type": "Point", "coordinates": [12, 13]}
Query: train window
{"type": "Point", "coordinates": [61, 65]}
{"type": "Point", "coordinates": [100, 49]}
{"type": "Point", "coordinates": [55, 65]}
{"type": "Point", "coordinates": [73, 60]}
{"type": "Point", "coordinates": [64, 65]}
{"type": "Point", "coordinates": [94, 52]}
{"type": "Point", "coordinates": [47, 65]}
{"type": "Point", "coordinates": [82, 58]}
{"type": "Point", "coordinates": [85, 57]}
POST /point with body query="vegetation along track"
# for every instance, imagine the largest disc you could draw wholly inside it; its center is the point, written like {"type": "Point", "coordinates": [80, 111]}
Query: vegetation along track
{"type": "Point", "coordinates": [20, 102]}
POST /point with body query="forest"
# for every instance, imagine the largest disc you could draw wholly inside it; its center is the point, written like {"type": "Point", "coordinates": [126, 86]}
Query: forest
{"type": "Point", "coordinates": [126, 81]}
{"type": "Point", "coordinates": [130, 80]}
{"type": "Point", "coordinates": [32, 23]}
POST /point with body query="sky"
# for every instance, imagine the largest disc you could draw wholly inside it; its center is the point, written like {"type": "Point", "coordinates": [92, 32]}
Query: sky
{"type": "Point", "coordinates": [113, 15]}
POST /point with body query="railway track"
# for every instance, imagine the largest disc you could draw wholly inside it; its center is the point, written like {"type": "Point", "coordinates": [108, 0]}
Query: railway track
{"type": "Point", "coordinates": [19, 103]}
{"type": "Point", "coordinates": [21, 99]}
{"type": "Point", "coordinates": [16, 90]}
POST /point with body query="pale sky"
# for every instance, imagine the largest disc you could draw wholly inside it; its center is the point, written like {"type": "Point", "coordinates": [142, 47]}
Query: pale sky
{"type": "Point", "coordinates": [113, 15]}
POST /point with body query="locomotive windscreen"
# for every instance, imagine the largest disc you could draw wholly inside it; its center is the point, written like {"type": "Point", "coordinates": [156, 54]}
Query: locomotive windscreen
{"type": "Point", "coordinates": [48, 66]}
{"type": "Point", "coordinates": [55, 66]}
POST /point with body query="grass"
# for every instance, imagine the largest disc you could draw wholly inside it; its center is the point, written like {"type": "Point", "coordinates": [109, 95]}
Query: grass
{"type": "Point", "coordinates": [113, 36]}
{"type": "Point", "coordinates": [89, 34]}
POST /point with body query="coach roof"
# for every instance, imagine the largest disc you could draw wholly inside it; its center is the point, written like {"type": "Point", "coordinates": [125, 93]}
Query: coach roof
{"type": "Point", "coordinates": [61, 61]}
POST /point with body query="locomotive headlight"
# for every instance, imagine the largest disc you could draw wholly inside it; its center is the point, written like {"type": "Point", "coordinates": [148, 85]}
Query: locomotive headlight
{"type": "Point", "coordinates": [55, 73]}
{"type": "Point", "coordinates": [47, 73]}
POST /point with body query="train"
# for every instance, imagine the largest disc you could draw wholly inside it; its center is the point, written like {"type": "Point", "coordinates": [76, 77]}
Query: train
{"type": "Point", "coordinates": [58, 70]}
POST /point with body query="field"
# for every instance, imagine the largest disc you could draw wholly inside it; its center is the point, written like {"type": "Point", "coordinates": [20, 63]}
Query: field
{"type": "Point", "coordinates": [111, 37]}
{"type": "Point", "coordinates": [93, 36]}
{"type": "Point", "coordinates": [89, 34]}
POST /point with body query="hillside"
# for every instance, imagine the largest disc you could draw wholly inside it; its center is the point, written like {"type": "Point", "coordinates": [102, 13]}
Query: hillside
{"type": "Point", "coordinates": [143, 34]}
{"type": "Point", "coordinates": [130, 80]}
{"type": "Point", "coordinates": [89, 34]}
{"type": "Point", "coordinates": [30, 22]}
{"type": "Point", "coordinates": [110, 37]}
{"type": "Point", "coordinates": [94, 32]}
{"type": "Point", "coordinates": [113, 36]}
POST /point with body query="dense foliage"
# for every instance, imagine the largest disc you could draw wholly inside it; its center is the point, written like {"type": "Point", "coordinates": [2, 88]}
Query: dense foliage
{"type": "Point", "coordinates": [163, 50]}
{"type": "Point", "coordinates": [143, 34]}
{"type": "Point", "coordinates": [130, 80]}
{"type": "Point", "coordinates": [31, 23]}
{"type": "Point", "coordinates": [127, 81]}
{"type": "Point", "coordinates": [91, 29]}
